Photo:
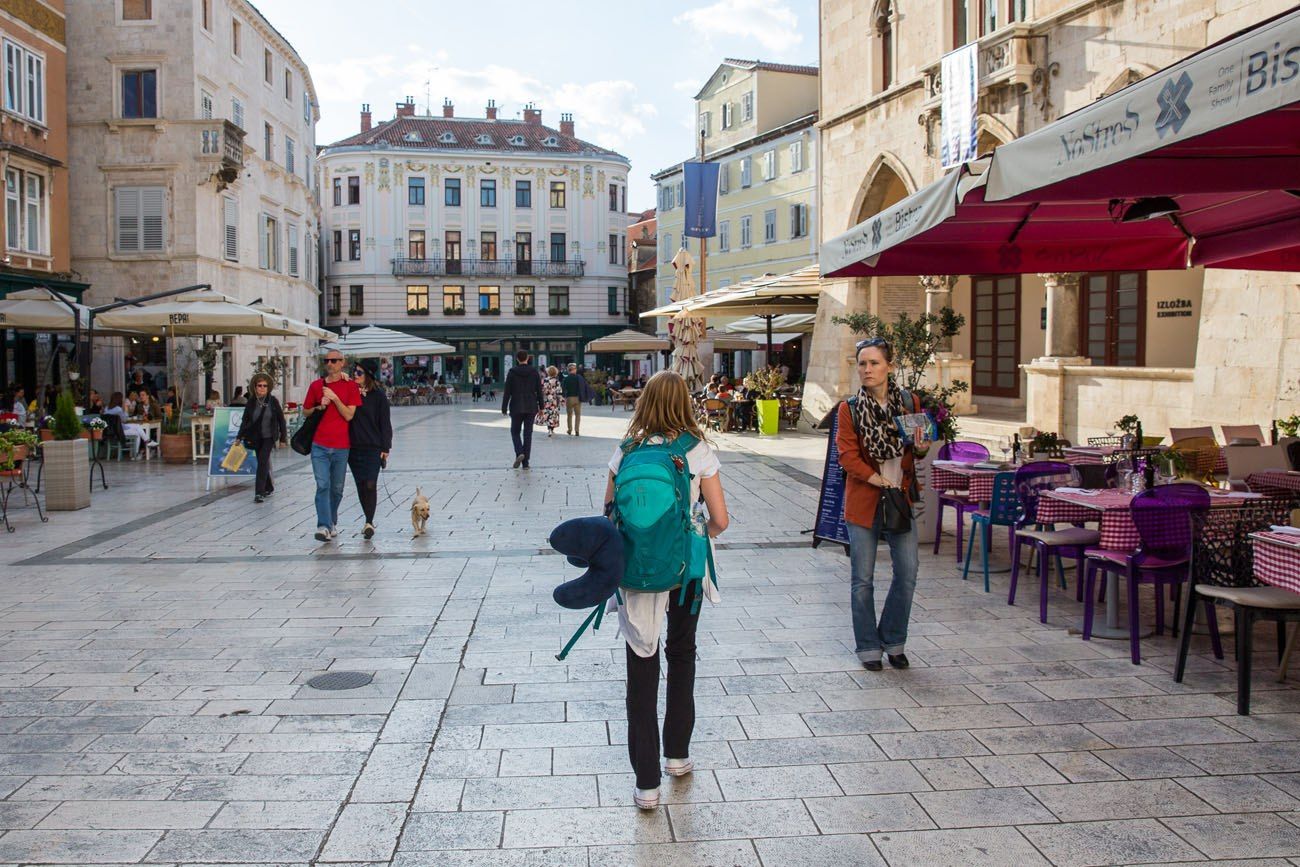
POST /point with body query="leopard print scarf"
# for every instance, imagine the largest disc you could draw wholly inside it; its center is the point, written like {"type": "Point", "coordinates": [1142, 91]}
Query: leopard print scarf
{"type": "Point", "coordinates": [875, 424]}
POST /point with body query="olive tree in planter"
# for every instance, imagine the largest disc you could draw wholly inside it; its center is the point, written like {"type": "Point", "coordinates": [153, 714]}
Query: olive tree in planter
{"type": "Point", "coordinates": [67, 463]}
{"type": "Point", "coordinates": [176, 441]}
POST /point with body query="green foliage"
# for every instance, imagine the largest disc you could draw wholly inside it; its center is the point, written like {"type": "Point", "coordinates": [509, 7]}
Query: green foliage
{"type": "Point", "coordinates": [1289, 426]}
{"type": "Point", "coordinates": [66, 424]}
{"type": "Point", "coordinates": [1045, 442]}
{"type": "Point", "coordinates": [764, 382]}
{"type": "Point", "coordinates": [10, 440]}
{"type": "Point", "coordinates": [1128, 424]}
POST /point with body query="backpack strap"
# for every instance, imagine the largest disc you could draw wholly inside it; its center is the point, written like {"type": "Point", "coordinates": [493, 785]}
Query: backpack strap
{"type": "Point", "coordinates": [593, 620]}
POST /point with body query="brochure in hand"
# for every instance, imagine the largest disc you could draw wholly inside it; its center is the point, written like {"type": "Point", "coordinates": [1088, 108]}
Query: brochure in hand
{"type": "Point", "coordinates": [908, 424]}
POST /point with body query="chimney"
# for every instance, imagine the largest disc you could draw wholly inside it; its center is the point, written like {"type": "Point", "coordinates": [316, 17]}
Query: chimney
{"type": "Point", "coordinates": [448, 110]}
{"type": "Point", "coordinates": [492, 109]}
{"type": "Point", "coordinates": [566, 125]}
{"type": "Point", "coordinates": [365, 117]}
{"type": "Point", "coordinates": [532, 115]}
{"type": "Point", "coordinates": [406, 109]}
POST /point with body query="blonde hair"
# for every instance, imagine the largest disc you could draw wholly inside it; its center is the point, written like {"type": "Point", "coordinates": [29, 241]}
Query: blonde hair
{"type": "Point", "coordinates": [552, 371]}
{"type": "Point", "coordinates": [664, 408]}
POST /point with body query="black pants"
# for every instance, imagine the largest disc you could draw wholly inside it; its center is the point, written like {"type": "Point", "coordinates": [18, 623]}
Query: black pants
{"type": "Point", "coordinates": [364, 464]}
{"type": "Point", "coordinates": [521, 432]}
{"type": "Point", "coordinates": [263, 484]}
{"type": "Point", "coordinates": [643, 694]}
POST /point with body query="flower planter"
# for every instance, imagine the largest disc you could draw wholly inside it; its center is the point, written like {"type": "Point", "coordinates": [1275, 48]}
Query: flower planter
{"type": "Point", "coordinates": [66, 475]}
{"type": "Point", "coordinates": [46, 435]}
{"type": "Point", "coordinates": [95, 434]}
{"type": "Point", "coordinates": [175, 448]}
{"type": "Point", "coordinates": [769, 417]}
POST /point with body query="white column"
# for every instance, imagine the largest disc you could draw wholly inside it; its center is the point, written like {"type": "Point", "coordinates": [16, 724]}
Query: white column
{"type": "Point", "coordinates": [1062, 315]}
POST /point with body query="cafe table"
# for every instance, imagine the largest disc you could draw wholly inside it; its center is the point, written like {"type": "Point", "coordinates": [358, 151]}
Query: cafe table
{"type": "Point", "coordinates": [1276, 557]}
{"type": "Point", "coordinates": [151, 427]}
{"type": "Point", "coordinates": [1111, 510]}
{"type": "Point", "coordinates": [957, 476]}
{"type": "Point", "coordinates": [1275, 483]}
{"type": "Point", "coordinates": [1085, 455]}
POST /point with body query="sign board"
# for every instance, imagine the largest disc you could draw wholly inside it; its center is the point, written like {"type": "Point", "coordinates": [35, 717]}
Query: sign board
{"type": "Point", "coordinates": [958, 126]}
{"type": "Point", "coordinates": [225, 432]}
{"type": "Point", "coordinates": [830, 526]}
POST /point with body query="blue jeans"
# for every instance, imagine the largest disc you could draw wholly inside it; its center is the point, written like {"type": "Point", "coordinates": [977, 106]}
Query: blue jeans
{"type": "Point", "coordinates": [891, 633]}
{"type": "Point", "coordinates": [330, 467]}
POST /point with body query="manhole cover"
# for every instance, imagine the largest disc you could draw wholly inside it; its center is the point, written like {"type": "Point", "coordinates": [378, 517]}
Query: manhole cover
{"type": "Point", "coordinates": [341, 680]}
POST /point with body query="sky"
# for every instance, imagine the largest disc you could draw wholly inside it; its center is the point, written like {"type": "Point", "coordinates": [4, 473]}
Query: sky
{"type": "Point", "coordinates": [627, 73]}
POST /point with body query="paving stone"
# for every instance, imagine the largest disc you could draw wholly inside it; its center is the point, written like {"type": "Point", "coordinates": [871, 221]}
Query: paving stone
{"type": "Point", "coordinates": [958, 848]}
{"type": "Point", "coordinates": [725, 853]}
{"type": "Point", "coordinates": [1015, 770]}
{"type": "Point", "coordinates": [77, 847]}
{"type": "Point", "coordinates": [929, 745]}
{"type": "Point", "coordinates": [863, 814]}
{"type": "Point", "coordinates": [602, 826]}
{"type": "Point", "coordinates": [130, 815]}
{"type": "Point", "coordinates": [800, 781]}
{"type": "Point", "coordinates": [855, 849]}
{"type": "Point", "coordinates": [969, 808]}
{"type": "Point", "coordinates": [1141, 799]}
{"type": "Point", "coordinates": [878, 778]}
{"type": "Point", "coordinates": [717, 821]}
{"type": "Point", "coordinates": [365, 832]}
{"type": "Point", "coordinates": [276, 815]}
{"type": "Point", "coordinates": [235, 846]}
{"type": "Point", "coordinates": [1146, 763]}
{"type": "Point", "coordinates": [453, 831]}
{"type": "Point", "coordinates": [1242, 835]}
{"type": "Point", "coordinates": [529, 793]}
{"type": "Point", "coordinates": [1240, 794]}
{"type": "Point", "coordinates": [1094, 844]}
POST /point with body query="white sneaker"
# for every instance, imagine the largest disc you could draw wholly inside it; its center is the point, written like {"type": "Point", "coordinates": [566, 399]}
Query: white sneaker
{"type": "Point", "coordinates": [322, 534]}
{"type": "Point", "coordinates": [678, 767]}
{"type": "Point", "coordinates": [646, 799]}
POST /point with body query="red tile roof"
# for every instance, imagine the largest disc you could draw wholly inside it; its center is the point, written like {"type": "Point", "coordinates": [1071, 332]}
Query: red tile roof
{"type": "Point", "coordinates": [466, 130]}
{"type": "Point", "coordinates": [772, 67]}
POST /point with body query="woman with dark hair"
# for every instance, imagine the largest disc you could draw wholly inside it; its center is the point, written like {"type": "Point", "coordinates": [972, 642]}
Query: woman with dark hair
{"type": "Point", "coordinates": [874, 456]}
{"type": "Point", "coordinates": [261, 428]}
{"type": "Point", "coordinates": [239, 398]}
{"type": "Point", "coordinates": [372, 439]}
{"type": "Point", "coordinates": [136, 436]}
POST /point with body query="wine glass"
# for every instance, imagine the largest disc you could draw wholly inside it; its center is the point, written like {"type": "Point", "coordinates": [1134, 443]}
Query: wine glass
{"type": "Point", "coordinates": [1004, 444]}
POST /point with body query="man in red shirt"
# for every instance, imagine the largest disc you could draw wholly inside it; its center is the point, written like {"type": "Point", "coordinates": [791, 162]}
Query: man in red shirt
{"type": "Point", "coordinates": [338, 397]}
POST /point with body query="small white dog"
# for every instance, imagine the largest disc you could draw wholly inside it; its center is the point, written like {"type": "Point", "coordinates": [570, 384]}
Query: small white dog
{"type": "Point", "coordinates": [419, 512]}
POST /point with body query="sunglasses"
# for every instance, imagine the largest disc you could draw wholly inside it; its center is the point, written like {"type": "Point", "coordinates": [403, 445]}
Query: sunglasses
{"type": "Point", "coordinates": [261, 385]}
{"type": "Point", "coordinates": [872, 341]}
{"type": "Point", "coordinates": [333, 361]}
{"type": "Point", "coordinates": [360, 371]}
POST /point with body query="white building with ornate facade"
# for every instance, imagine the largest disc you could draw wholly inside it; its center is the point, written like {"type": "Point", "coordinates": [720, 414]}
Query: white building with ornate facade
{"type": "Point", "coordinates": [192, 141]}
{"type": "Point", "coordinates": [491, 234]}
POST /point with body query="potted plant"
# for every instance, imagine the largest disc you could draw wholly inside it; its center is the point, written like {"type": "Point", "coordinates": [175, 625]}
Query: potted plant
{"type": "Point", "coordinates": [95, 426]}
{"type": "Point", "coordinates": [175, 442]}
{"type": "Point", "coordinates": [47, 428]}
{"type": "Point", "coordinates": [67, 470]}
{"type": "Point", "coordinates": [1045, 442]}
{"type": "Point", "coordinates": [15, 445]}
{"type": "Point", "coordinates": [1289, 427]}
{"type": "Point", "coordinates": [764, 384]}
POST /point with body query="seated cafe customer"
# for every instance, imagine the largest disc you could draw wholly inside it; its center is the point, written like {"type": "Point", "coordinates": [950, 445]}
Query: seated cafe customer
{"type": "Point", "coordinates": [135, 434]}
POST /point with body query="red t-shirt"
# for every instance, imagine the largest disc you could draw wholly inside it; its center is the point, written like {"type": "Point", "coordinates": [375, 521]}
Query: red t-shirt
{"type": "Point", "coordinates": [332, 433]}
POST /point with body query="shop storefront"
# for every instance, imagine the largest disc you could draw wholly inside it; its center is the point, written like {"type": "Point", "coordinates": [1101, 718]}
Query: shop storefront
{"type": "Point", "coordinates": [33, 359]}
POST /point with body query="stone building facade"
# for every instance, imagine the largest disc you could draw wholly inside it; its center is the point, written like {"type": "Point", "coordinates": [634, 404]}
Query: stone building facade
{"type": "Point", "coordinates": [34, 169]}
{"type": "Point", "coordinates": [488, 233]}
{"type": "Point", "coordinates": [1177, 348]}
{"type": "Point", "coordinates": [192, 135]}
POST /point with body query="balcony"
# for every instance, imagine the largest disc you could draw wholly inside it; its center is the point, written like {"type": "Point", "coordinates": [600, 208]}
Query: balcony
{"type": "Point", "coordinates": [1009, 61]}
{"type": "Point", "coordinates": [222, 140]}
{"type": "Point", "coordinates": [406, 267]}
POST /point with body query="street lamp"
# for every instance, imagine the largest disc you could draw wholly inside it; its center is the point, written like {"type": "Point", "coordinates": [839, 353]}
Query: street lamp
{"type": "Point", "coordinates": [344, 329]}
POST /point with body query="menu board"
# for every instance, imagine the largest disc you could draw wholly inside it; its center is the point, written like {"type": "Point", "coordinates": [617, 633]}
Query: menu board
{"type": "Point", "coordinates": [830, 526]}
{"type": "Point", "coordinates": [225, 433]}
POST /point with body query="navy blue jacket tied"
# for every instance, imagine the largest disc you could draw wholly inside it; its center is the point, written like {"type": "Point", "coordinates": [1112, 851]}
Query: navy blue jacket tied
{"type": "Point", "coordinates": [594, 543]}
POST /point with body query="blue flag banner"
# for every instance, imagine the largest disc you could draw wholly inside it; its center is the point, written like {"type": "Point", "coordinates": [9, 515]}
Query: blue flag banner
{"type": "Point", "coordinates": [701, 204]}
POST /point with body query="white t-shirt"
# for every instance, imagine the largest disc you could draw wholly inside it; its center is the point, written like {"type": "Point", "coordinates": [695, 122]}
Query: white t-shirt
{"type": "Point", "coordinates": [641, 616]}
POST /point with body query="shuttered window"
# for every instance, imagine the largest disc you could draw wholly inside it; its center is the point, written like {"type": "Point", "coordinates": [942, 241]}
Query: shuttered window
{"type": "Point", "coordinates": [268, 244]}
{"type": "Point", "coordinates": [231, 221]}
{"type": "Point", "coordinates": [293, 251]}
{"type": "Point", "coordinates": [141, 225]}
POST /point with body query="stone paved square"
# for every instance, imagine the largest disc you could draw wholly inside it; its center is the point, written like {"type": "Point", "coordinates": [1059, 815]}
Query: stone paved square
{"type": "Point", "coordinates": [156, 648]}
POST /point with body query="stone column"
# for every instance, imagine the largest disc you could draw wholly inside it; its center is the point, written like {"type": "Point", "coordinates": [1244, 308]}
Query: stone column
{"type": "Point", "coordinates": [938, 295]}
{"type": "Point", "coordinates": [1062, 315]}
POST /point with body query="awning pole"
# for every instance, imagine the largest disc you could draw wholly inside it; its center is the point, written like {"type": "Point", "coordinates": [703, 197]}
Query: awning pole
{"type": "Point", "coordinates": [768, 317]}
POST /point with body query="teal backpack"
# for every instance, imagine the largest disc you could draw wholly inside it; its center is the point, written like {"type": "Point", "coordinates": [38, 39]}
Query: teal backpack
{"type": "Point", "coordinates": [652, 510]}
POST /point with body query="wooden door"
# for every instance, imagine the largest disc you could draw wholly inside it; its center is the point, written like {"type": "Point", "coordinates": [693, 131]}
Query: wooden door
{"type": "Point", "coordinates": [1112, 318]}
{"type": "Point", "coordinates": [996, 336]}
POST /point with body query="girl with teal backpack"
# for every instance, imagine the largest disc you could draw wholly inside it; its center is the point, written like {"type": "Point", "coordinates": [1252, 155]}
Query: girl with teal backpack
{"type": "Point", "coordinates": [657, 476]}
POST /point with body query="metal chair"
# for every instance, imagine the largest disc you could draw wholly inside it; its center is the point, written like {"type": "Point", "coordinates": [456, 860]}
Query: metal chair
{"type": "Point", "coordinates": [115, 438]}
{"type": "Point", "coordinates": [1031, 480]}
{"type": "Point", "coordinates": [15, 477]}
{"type": "Point", "coordinates": [1003, 511]}
{"type": "Point", "coordinates": [1166, 517]}
{"type": "Point", "coordinates": [1223, 574]}
{"type": "Point", "coordinates": [967, 453]}
{"type": "Point", "coordinates": [1106, 441]}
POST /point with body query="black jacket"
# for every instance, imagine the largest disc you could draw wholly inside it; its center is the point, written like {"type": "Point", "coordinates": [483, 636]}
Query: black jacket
{"type": "Point", "coordinates": [250, 426]}
{"type": "Point", "coordinates": [522, 394]}
{"type": "Point", "coordinates": [372, 425]}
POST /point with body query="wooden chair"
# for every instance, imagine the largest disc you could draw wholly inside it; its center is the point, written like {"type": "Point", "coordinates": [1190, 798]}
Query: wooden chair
{"type": "Point", "coordinates": [715, 413]}
{"type": "Point", "coordinates": [791, 410]}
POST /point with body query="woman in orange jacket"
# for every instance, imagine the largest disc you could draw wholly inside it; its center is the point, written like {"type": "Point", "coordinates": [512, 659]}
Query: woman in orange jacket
{"type": "Point", "coordinates": [874, 456]}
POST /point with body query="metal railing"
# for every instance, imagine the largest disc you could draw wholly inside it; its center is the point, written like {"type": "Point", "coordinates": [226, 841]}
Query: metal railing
{"type": "Point", "coordinates": [443, 267]}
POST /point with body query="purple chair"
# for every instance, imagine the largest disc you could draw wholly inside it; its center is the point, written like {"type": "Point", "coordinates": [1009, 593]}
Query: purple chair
{"type": "Point", "coordinates": [1166, 518]}
{"type": "Point", "coordinates": [1031, 480]}
{"type": "Point", "coordinates": [966, 453]}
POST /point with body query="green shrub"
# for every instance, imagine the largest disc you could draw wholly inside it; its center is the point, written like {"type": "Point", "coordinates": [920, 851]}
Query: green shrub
{"type": "Point", "coordinates": [66, 424]}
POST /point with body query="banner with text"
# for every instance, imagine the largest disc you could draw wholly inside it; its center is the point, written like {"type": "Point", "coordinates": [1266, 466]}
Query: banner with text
{"type": "Point", "coordinates": [960, 99]}
{"type": "Point", "coordinates": [701, 199]}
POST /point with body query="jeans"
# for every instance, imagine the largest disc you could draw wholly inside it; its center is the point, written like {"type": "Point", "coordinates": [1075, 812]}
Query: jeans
{"type": "Point", "coordinates": [573, 413]}
{"type": "Point", "coordinates": [891, 633]}
{"type": "Point", "coordinates": [364, 464]}
{"type": "Point", "coordinates": [330, 467]}
{"type": "Point", "coordinates": [643, 695]}
{"type": "Point", "coordinates": [521, 432]}
{"type": "Point", "coordinates": [263, 484]}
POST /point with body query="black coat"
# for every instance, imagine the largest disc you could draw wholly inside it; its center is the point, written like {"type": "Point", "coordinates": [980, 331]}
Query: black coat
{"type": "Point", "coordinates": [522, 394]}
{"type": "Point", "coordinates": [250, 428]}
{"type": "Point", "coordinates": [372, 425]}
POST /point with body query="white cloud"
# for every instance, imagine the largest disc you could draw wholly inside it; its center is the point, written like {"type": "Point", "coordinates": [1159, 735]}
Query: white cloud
{"type": "Point", "coordinates": [770, 23]}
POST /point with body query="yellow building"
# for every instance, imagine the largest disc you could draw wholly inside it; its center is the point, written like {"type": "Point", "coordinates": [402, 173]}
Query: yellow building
{"type": "Point", "coordinates": [758, 122]}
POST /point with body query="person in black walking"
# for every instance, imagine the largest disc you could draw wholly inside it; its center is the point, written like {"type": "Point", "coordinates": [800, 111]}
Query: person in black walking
{"type": "Point", "coordinates": [521, 397]}
{"type": "Point", "coordinates": [261, 428]}
{"type": "Point", "coordinates": [372, 439]}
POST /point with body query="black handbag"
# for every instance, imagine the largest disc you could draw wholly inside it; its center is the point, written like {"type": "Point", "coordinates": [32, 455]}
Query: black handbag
{"type": "Point", "coordinates": [895, 513]}
{"type": "Point", "coordinates": [302, 437]}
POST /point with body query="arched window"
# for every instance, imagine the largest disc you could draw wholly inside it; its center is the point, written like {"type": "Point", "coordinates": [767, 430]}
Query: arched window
{"type": "Point", "coordinates": [885, 40]}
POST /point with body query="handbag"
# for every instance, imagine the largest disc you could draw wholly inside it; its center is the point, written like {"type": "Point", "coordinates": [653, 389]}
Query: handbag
{"type": "Point", "coordinates": [895, 513]}
{"type": "Point", "coordinates": [302, 437]}
{"type": "Point", "coordinates": [234, 458]}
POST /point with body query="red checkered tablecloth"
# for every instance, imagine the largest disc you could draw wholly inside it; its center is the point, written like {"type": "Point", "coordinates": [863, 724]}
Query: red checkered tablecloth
{"type": "Point", "coordinates": [1277, 559]}
{"type": "Point", "coordinates": [1275, 483]}
{"type": "Point", "coordinates": [1079, 455]}
{"type": "Point", "coordinates": [1111, 509]}
{"type": "Point", "coordinates": [962, 477]}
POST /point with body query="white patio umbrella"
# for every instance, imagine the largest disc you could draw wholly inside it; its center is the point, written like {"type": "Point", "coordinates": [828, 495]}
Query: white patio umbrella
{"type": "Point", "coordinates": [303, 329]}
{"type": "Point", "coordinates": [376, 342]}
{"type": "Point", "coordinates": [688, 331]}
{"type": "Point", "coordinates": [628, 340]}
